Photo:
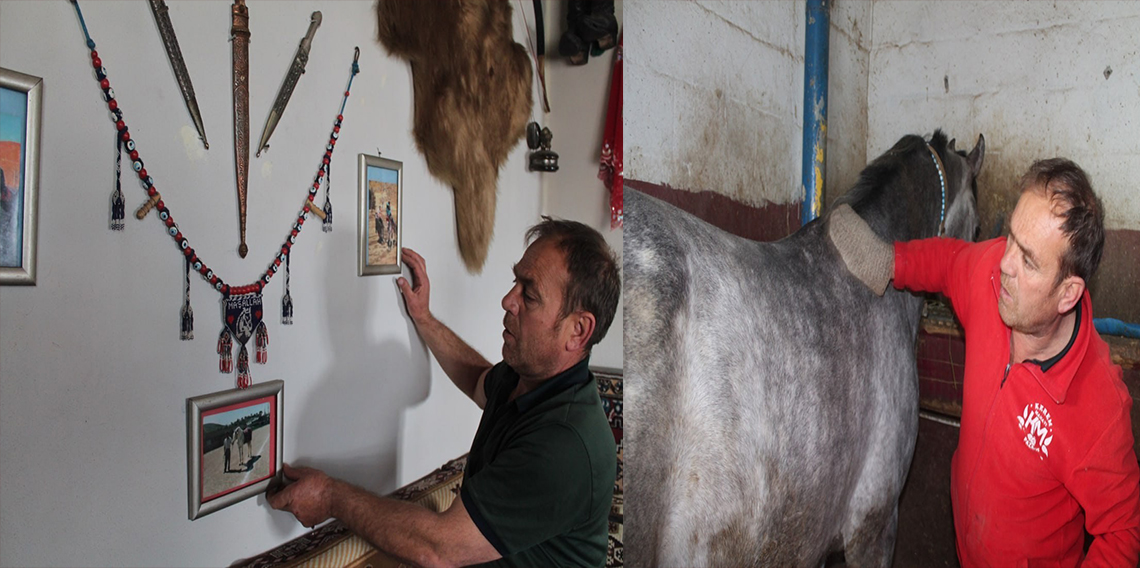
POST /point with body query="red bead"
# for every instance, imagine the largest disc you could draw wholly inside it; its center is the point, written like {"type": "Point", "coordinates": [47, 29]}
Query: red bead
{"type": "Point", "coordinates": [178, 237]}
{"type": "Point", "coordinates": [151, 191]}
{"type": "Point", "coordinates": [189, 251]}
{"type": "Point", "coordinates": [294, 232]}
{"type": "Point", "coordinates": [94, 54]}
{"type": "Point", "coordinates": [161, 206]}
{"type": "Point", "coordinates": [225, 289]}
{"type": "Point", "coordinates": [96, 62]}
{"type": "Point", "coordinates": [204, 269]}
{"type": "Point", "coordinates": [113, 104]}
{"type": "Point", "coordinates": [346, 93]}
{"type": "Point", "coordinates": [340, 116]}
{"type": "Point", "coordinates": [134, 154]}
{"type": "Point", "coordinates": [193, 257]}
{"type": "Point", "coordinates": [170, 221]}
{"type": "Point", "coordinates": [259, 285]}
{"type": "Point", "coordinates": [126, 136]}
{"type": "Point", "coordinates": [336, 129]}
{"type": "Point", "coordinates": [214, 279]}
{"type": "Point", "coordinates": [120, 125]}
{"type": "Point", "coordinates": [316, 185]}
{"type": "Point", "coordinates": [142, 174]}
{"type": "Point", "coordinates": [105, 84]}
{"type": "Point", "coordinates": [326, 160]}
{"type": "Point", "coordinates": [277, 262]}
{"type": "Point", "coordinates": [285, 249]}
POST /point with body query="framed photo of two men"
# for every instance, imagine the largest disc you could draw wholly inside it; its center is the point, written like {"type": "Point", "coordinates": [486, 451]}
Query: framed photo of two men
{"type": "Point", "coordinates": [234, 441]}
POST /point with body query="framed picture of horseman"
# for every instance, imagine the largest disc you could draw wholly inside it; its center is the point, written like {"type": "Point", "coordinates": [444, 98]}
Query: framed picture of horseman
{"type": "Point", "coordinates": [380, 208]}
{"type": "Point", "coordinates": [234, 441]}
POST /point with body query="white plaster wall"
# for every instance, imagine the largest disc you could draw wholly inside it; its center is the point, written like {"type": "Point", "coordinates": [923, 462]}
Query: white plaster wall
{"type": "Point", "coordinates": [93, 377]}
{"type": "Point", "coordinates": [717, 96]}
{"type": "Point", "coordinates": [1030, 76]}
{"type": "Point", "coordinates": [579, 97]}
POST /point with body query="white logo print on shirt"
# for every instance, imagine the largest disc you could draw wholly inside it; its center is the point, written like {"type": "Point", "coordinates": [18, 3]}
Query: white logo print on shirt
{"type": "Point", "coordinates": [1037, 426]}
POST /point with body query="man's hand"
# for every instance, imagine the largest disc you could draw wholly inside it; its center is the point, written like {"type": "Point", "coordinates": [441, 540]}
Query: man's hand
{"type": "Point", "coordinates": [416, 294]}
{"type": "Point", "coordinates": [868, 258]}
{"type": "Point", "coordinates": [307, 497]}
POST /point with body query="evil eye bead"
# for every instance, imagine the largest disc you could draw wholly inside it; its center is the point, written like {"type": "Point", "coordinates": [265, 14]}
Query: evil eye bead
{"type": "Point", "coordinates": [173, 230]}
{"type": "Point", "coordinates": [137, 165]}
{"type": "Point", "coordinates": [218, 286]}
{"type": "Point", "coordinates": [198, 265]}
{"type": "Point", "coordinates": [209, 274]}
{"type": "Point", "coordinates": [266, 278]}
{"type": "Point", "coordinates": [149, 181]}
{"type": "Point", "coordinates": [292, 240]}
{"type": "Point", "coordinates": [335, 135]}
{"type": "Point", "coordinates": [184, 244]}
{"type": "Point", "coordinates": [130, 145]}
{"type": "Point", "coordinates": [328, 147]}
{"type": "Point", "coordinates": [274, 269]}
{"type": "Point", "coordinates": [109, 94]}
{"type": "Point", "coordinates": [282, 257]}
{"type": "Point", "coordinates": [164, 215]}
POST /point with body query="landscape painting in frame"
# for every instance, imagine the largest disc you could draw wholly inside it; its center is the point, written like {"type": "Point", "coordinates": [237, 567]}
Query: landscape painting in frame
{"type": "Point", "coordinates": [381, 193]}
{"type": "Point", "coordinates": [20, 101]}
{"type": "Point", "coordinates": [234, 446]}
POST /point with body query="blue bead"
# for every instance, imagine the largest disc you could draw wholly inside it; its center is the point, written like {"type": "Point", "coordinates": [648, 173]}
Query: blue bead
{"type": "Point", "coordinates": [137, 166]}
{"type": "Point", "coordinates": [218, 285]}
{"type": "Point", "coordinates": [198, 265]}
{"type": "Point", "coordinates": [173, 230]}
{"type": "Point", "coordinates": [90, 44]}
{"type": "Point", "coordinates": [130, 145]}
{"type": "Point", "coordinates": [164, 215]}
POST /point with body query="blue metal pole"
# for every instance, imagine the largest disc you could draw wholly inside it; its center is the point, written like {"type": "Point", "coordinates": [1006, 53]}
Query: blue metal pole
{"type": "Point", "coordinates": [815, 107]}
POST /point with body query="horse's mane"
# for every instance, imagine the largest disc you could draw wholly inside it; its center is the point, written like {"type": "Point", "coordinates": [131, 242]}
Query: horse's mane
{"type": "Point", "coordinates": [878, 175]}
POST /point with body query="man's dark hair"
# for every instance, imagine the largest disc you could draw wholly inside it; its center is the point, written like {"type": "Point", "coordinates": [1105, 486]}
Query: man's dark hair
{"type": "Point", "coordinates": [1067, 185]}
{"type": "Point", "coordinates": [594, 284]}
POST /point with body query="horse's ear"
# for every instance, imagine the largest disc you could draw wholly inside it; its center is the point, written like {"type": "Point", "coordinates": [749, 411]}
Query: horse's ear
{"type": "Point", "coordinates": [951, 144]}
{"type": "Point", "coordinates": [977, 155]}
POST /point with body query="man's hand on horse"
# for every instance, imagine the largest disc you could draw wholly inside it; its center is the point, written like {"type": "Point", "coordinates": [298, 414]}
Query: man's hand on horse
{"type": "Point", "coordinates": [416, 294]}
{"type": "Point", "coordinates": [868, 258]}
{"type": "Point", "coordinates": [306, 495]}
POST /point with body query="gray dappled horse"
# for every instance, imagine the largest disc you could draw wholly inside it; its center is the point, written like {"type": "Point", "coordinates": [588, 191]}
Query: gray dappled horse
{"type": "Point", "coordinates": [772, 399]}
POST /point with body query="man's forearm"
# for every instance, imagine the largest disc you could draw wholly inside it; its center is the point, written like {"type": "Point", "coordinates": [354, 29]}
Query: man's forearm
{"type": "Point", "coordinates": [463, 364]}
{"type": "Point", "coordinates": [398, 528]}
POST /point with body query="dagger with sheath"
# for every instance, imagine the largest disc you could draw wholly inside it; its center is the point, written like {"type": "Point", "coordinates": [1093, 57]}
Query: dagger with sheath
{"type": "Point", "coordinates": [239, 37]}
{"type": "Point", "coordinates": [296, 69]}
{"type": "Point", "coordinates": [174, 54]}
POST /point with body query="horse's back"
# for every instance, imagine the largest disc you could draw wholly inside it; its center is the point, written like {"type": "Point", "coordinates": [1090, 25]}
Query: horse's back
{"type": "Point", "coordinates": [732, 354]}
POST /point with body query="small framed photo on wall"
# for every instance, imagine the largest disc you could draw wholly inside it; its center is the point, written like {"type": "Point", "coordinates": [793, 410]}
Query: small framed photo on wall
{"type": "Point", "coordinates": [381, 208]}
{"type": "Point", "coordinates": [234, 441]}
{"type": "Point", "coordinates": [21, 101]}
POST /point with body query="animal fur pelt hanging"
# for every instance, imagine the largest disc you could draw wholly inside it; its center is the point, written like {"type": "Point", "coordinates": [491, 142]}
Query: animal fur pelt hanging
{"type": "Point", "coordinates": [472, 87]}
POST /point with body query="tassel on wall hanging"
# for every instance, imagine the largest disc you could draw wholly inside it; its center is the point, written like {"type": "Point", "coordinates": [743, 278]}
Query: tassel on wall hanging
{"type": "Point", "coordinates": [243, 304]}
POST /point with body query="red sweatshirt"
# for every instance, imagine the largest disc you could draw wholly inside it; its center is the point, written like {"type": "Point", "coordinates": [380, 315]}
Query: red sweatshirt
{"type": "Point", "coordinates": [1045, 449]}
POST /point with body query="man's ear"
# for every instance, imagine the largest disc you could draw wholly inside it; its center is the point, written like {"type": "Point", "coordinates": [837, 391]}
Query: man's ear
{"type": "Point", "coordinates": [582, 326]}
{"type": "Point", "coordinates": [1071, 290]}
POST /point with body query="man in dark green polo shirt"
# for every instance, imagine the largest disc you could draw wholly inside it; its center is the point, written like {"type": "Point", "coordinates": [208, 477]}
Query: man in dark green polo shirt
{"type": "Point", "coordinates": [539, 478]}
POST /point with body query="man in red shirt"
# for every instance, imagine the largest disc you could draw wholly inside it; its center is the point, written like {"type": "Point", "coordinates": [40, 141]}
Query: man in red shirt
{"type": "Point", "coordinates": [1045, 450]}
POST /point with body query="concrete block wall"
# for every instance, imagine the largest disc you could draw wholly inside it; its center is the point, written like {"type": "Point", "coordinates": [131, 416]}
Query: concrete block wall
{"type": "Point", "coordinates": [716, 104]}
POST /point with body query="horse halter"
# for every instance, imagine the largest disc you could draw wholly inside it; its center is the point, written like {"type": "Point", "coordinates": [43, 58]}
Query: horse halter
{"type": "Point", "coordinates": [942, 182]}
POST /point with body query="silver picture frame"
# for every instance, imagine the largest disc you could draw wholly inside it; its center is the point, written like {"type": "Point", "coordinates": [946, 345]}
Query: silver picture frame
{"type": "Point", "coordinates": [217, 479]}
{"type": "Point", "coordinates": [380, 215]}
{"type": "Point", "coordinates": [19, 135]}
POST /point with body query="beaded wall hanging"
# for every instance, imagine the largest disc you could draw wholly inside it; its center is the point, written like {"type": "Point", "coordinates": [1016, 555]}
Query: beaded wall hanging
{"type": "Point", "coordinates": [242, 315]}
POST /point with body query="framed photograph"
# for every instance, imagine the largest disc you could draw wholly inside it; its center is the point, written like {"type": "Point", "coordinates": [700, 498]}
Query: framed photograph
{"type": "Point", "coordinates": [378, 225]}
{"type": "Point", "coordinates": [233, 445]}
{"type": "Point", "coordinates": [21, 101]}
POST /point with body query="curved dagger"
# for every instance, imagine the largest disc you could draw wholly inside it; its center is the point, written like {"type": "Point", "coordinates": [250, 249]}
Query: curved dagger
{"type": "Point", "coordinates": [174, 54]}
{"type": "Point", "coordinates": [239, 35]}
{"type": "Point", "coordinates": [295, 71]}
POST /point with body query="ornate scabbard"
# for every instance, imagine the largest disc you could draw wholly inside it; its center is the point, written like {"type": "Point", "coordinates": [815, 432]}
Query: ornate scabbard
{"type": "Point", "coordinates": [174, 54]}
{"type": "Point", "coordinates": [296, 69]}
{"type": "Point", "coordinates": [239, 35]}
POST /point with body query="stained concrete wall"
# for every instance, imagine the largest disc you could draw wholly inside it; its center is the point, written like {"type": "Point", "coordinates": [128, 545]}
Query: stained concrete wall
{"type": "Point", "coordinates": [1039, 80]}
{"type": "Point", "coordinates": [716, 96]}
{"type": "Point", "coordinates": [93, 377]}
